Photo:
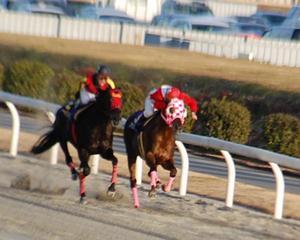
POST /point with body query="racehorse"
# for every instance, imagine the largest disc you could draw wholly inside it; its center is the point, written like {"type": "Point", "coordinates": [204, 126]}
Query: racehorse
{"type": "Point", "coordinates": [155, 144]}
{"type": "Point", "coordinates": [90, 131]}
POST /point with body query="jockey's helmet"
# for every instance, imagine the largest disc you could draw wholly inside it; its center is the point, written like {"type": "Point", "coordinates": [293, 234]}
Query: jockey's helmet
{"type": "Point", "coordinates": [104, 70]}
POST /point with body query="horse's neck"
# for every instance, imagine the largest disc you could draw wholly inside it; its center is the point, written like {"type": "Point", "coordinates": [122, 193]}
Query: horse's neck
{"type": "Point", "coordinates": [96, 112]}
{"type": "Point", "coordinates": [160, 126]}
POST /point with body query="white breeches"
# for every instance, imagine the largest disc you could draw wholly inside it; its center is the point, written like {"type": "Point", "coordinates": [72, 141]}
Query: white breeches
{"type": "Point", "coordinates": [86, 96]}
{"type": "Point", "coordinates": [149, 109]}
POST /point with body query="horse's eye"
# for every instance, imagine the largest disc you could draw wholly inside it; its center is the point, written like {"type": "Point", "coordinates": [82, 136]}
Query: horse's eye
{"type": "Point", "coordinates": [171, 110]}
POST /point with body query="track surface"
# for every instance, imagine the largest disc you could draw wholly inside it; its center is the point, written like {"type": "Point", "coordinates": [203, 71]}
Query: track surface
{"type": "Point", "coordinates": [49, 209]}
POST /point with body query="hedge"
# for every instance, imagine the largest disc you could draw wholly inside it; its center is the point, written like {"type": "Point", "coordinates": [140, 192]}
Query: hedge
{"type": "Point", "coordinates": [224, 119]}
{"type": "Point", "coordinates": [281, 133]}
{"type": "Point", "coordinates": [28, 78]}
{"type": "Point", "coordinates": [64, 86]}
{"type": "Point", "coordinates": [133, 98]}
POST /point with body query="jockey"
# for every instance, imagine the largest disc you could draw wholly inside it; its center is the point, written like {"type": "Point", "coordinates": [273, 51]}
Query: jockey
{"type": "Point", "coordinates": [159, 98]}
{"type": "Point", "coordinates": [93, 83]}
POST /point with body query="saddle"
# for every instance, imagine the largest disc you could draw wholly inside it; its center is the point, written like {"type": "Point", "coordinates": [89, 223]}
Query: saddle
{"type": "Point", "coordinates": [139, 122]}
{"type": "Point", "coordinates": [72, 112]}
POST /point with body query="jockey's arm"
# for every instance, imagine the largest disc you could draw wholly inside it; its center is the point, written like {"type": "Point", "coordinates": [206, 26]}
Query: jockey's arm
{"type": "Point", "coordinates": [192, 103]}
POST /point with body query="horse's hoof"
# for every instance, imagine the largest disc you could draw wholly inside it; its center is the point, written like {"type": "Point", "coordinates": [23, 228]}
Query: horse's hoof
{"type": "Point", "coordinates": [152, 194]}
{"type": "Point", "coordinates": [111, 194]}
{"type": "Point", "coordinates": [83, 201]}
{"type": "Point", "coordinates": [136, 205]}
{"type": "Point", "coordinates": [112, 188]}
{"type": "Point", "coordinates": [74, 176]}
{"type": "Point", "coordinates": [165, 189]}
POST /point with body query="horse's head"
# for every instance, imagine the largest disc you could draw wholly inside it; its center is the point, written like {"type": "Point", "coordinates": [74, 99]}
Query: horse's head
{"type": "Point", "coordinates": [110, 103]}
{"type": "Point", "coordinates": [175, 114]}
{"type": "Point", "coordinates": [116, 105]}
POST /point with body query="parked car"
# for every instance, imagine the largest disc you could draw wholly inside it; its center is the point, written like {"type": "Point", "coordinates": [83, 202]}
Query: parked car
{"type": "Point", "coordinates": [294, 13]}
{"type": "Point", "coordinates": [75, 6]}
{"type": "Point", "coordinates": [293, 17]}
{"type": "Point", "coordinates": [105, 14]}
{"type": "Point", "coordinates": [187, 23]}
{"type": "Point", "coordinates": [249, 30]}
{"type": "Point", "coordinates": [165, 20]}
{"type": "Point", "coordinates": [271, 19]}
{"type": "Point", "coordinates": [49, 7]}
{"type": "Point", "coordinates": [284, 33]}
{"type": "Point", "coordinates": [186, 8]}
{"type": "Point", "coordinates": [3, 5]}
{"type": "Point", "coordinates": [245, 19]}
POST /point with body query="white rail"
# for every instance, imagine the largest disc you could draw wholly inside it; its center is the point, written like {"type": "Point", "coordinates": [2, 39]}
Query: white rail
{"type": "Point", "coordinates": [274, 159]}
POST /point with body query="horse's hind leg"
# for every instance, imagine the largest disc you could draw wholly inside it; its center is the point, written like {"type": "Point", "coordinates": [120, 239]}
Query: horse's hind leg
{"type": "Point", "coordinates": [169, 165]}
{"type": "Point", "coordinates": [68, 159]}
{"type": "Point", "coordinates": [109, 154]}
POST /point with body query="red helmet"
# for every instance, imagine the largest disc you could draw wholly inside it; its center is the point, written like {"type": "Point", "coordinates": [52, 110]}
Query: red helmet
{"type": "Point", "coordinates": [173, 93]}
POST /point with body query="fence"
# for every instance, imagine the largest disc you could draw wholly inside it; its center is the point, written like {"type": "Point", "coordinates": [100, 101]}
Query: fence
{"type": "Point", "coordinates": [224, 146]}
{"type": "Point", "coordinates": [281, 53]}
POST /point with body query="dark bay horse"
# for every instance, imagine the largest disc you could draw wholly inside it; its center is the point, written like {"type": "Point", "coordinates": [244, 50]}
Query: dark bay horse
{"type": "Point", "coordinates": [155, 144]}
{"type": "Point", "coordinates": [90, 133]}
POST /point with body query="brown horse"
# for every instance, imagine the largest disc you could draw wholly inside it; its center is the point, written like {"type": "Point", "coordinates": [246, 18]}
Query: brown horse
{"type": "Point", "coordinates": [155, 144]}
{"type": "Point", "coordinates": [90, 133]}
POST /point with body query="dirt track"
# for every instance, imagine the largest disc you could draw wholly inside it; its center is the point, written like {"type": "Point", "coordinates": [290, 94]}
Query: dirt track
{"type": "Point", "coordinates": [201, 184]}
{"type": "Point", "coordinates": [49, 209]}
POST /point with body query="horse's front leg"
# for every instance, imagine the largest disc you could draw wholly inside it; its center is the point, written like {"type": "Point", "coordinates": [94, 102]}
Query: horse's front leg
{"type": "Point", "coordinates": [109, 154]}
{"type": "Point", "coordinates": [151, 161]}
{"type": "Point", "coordinates": [131, 166]}
{"type": "Point", "coordinates": [169, 165]}
{"type": "Point", "coordinates": [85, 171]}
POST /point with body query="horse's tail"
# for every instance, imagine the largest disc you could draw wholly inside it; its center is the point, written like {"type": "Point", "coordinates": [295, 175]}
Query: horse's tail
{"type": "Point", "coordinates": [45, 142]}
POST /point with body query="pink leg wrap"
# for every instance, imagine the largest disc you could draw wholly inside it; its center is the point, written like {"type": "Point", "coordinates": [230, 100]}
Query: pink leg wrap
{"type": "Point", "coordinates": [154, 178]}
{"type": "Point", "coordinates": [114, 175]}
{"type": "Point", "coordinates": [169, 184]}
{"type": "Point", "coordinates": [135, 197]}
{"type": "Point", "coordinates": [82, 184]}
